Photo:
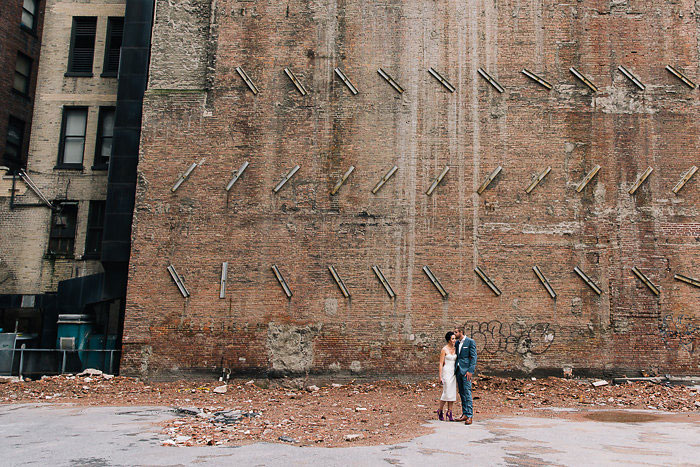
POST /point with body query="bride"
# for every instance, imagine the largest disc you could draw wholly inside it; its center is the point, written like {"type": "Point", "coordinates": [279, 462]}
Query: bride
{"type": "Point", "coordinates": [448, 357]}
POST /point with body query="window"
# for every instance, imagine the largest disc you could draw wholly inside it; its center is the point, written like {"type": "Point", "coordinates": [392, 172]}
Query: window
{"type": "Point", "coordinates": [115, 31]}
{"type": "Point", "coordinates": [95, 226]}
{"type": "Point", "coordinates": [13, 144]}
{"type": "Point", "coordinates": [72, 143]}
{"type": "Point", "coordinates": [82, 46]}
{"type": "Point", "coordinates": [63, 220]}
{"type": "Point", "coordinates": [29, 14]}
{"type": "Point", "coordinates": [105, 130]}
{"type": "Point", "coordinates": [23, 68]}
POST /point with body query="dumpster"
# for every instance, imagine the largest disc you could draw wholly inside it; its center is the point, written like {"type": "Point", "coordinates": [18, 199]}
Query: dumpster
{"type": "Point", "coordinates": [7, 352]}
{"type": "Point", "coordinates": [73, 333]}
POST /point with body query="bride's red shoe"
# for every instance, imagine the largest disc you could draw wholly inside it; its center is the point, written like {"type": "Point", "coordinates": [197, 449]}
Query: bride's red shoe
{"type": "Point", "coordinates": [440, 416]}
{"type": "Point", "coordinates": [449, 416]}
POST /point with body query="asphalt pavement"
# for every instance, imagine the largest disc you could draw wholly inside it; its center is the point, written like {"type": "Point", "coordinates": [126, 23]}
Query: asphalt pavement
{"type": "Point", "coordinates": [56, 435]}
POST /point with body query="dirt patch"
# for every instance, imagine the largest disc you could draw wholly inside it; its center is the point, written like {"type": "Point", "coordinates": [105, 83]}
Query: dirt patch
{"type": "Point", "coordinates": [621, 416]}
{"type": "Point", "coordinates": [382, 412]}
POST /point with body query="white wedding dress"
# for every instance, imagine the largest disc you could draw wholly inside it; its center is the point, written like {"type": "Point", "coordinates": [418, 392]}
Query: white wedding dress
{"type": "Point", "coordinates": [449, 380]}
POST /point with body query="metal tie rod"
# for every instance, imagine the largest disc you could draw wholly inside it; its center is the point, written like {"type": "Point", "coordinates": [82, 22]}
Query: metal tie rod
{"type": "Point", "coordinates": [300, 87]}
{"type": "Point", "coordinates": [631, 77]}
{"type": "Point", "coordinates": [236, 175]}
{"type": "Point", "coordinates": [346, 80]}
{"type": "Point", "coordinates": [342, 180]}
{"type": "Point", "coordinates": [286, 178]}
{"type": "Point", "coordinates": [541, 81]}
{"type": "Point", "coordinates": [247, 80]}
{"type": "Point", "coordinates": [491, 81]}
{"type": "Point", "coordinates": [442, 80]}
{"type": "Point", "coordinates": [390, 80]}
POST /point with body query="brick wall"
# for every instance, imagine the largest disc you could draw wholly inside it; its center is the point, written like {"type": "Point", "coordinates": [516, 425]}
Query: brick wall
{"type": "Point", "coordinates": [204, 112]}
{"type": "Point", "coordinates": [13, 39]}
{"type": "Point", "coordinates": [25, 235]}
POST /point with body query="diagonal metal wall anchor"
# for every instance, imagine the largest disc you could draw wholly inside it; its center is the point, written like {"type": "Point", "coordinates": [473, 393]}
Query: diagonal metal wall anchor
{"type": "Point", "coordinates": [677, 73]}
{"type": "Point", "coordinates": [384, 282]}
{"type": "Point", "coordinates": [178, 281]}
{"type": "Point", "coordinates": [442, 80]}
{"type": "Point", "coordinates": [489, 179]}
{"type": "Point", "coordinates": [236, 175]}
{"type": "Point", "coordinates": [300, 87]}
{"type": "Point", "coordinates": [687, 280]}
{"type": "Point", "coordinates": [645, 280]}
{"type": "Point", "coordinates": [537, 180]}
{"type": "Point", "coordinates": [247, 80]}
{"type": "Point", "coordinates": [183, 177]}
{"type": "Point", "coordinates": [390, 80]}
{"type": "Point", "coordinates": [641, 180]}
{"type": "Point", "coordinates": [684, 179]}
{"type": "Point", "coordinates": [286, 178]}
{"type": "Point", "coordinates": [491, 81]}
{"type": "Point", "coordinates": [541, 81]}
{"type": "Point", "coordinates": [544, 281]}
{"type": "Point", "coordinates": [339, 281]}
{"type": "Point", "coordinates": [435, 281]}
{"type": "Point", "coordinates": [283, 283]}
{"type": "Point", "coordinates": [587, 179]}
{"type": "Point", "coordinates": [487, 281]}
{"type": "Point", "coordinates": [437, 181]}
{"type": "Point", "coordinates": [583, 79]}
{"type": "Point", "coordinates": [346, 80]}
{"type": "Point", "coordinates": [384, 179]}
{"type": "Point", "coordinates": [587, 280]}
{"type": "Point", "coordinates": [342, 180]}
{"type": "Point", "coordinates": [628, 74]}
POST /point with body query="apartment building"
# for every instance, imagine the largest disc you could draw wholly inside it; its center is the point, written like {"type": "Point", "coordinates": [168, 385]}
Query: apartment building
{"type": "Point", "coordinates": [20, 40]}
{"type": "Point", "coordinates": [53, 205]}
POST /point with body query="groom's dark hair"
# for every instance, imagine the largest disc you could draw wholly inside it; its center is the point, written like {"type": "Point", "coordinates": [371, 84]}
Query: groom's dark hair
{"type": "Point", "coordinates": [460, 329]}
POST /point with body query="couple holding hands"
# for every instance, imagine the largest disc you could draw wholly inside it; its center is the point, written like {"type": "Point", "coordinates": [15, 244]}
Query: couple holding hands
{"type": "Point", "coordinates": [457, 364]}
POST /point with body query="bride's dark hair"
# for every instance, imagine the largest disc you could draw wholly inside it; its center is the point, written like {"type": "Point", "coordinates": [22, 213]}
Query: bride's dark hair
{"type": "Point", "coordinates": [449, 335]}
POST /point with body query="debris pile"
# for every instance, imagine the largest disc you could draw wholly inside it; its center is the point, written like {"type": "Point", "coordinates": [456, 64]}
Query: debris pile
{"type": "Point", "coordinates": [299, 413]}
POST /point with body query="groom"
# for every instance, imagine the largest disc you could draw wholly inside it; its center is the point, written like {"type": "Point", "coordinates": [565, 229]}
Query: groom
{"type": "Point", "coordinates": [464, 369]}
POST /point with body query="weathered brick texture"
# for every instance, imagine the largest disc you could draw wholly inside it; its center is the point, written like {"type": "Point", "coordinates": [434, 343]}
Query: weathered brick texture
{"type": "Point", "coordinates": [14, 39]}
{"type": "Point", "coordinates": [25, 266]}
{"type": "Point", "coordinates": [603, 230]}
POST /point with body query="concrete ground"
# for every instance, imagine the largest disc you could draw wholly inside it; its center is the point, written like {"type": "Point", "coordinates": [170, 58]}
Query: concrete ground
{"type": "Point", "coordinates": [56, 435]}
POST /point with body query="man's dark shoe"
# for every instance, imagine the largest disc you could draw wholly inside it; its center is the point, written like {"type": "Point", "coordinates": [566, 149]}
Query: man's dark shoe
{"type": "Point", "coordinates": [468, 421]}
{"type": "Point", "coordinates": [463, 418]}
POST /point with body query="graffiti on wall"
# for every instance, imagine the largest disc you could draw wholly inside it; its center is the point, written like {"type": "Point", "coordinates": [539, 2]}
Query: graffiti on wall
{"type": "Point", "coordinates": [494, 337]}
{"type": "Point", "coordinates": [680, 332]}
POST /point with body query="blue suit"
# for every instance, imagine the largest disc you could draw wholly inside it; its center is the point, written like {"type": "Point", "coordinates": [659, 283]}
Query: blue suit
{"type": "Point", "coordinates": [466, 363]}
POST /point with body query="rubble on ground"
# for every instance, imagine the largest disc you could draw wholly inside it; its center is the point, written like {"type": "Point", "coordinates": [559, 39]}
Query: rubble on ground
{"type": "Point", "coordinates": [303, 414]}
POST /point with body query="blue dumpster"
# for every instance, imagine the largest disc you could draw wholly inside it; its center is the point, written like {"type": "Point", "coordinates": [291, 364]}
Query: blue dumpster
{"type": "Point", "coordinates": [73, 332]}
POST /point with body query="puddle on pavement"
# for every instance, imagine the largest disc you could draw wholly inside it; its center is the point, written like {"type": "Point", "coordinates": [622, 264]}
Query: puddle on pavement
{"type": "Point", "coordinates": [621, 416]}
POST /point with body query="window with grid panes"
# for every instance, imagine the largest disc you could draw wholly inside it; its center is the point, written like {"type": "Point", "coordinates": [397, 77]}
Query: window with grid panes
{"type": "Point", "coordinates": [23, 68]}
{"type": "Point", "coordinates": [72, 144]}
{"type": "Point", "coordinates": [105, 130]}
{"type": "Point", "coordinates": [63, 223]}
{"type": "Point", "coordinates": [29, 14]}
{"type": "Point", "coordinates": [82, 46]}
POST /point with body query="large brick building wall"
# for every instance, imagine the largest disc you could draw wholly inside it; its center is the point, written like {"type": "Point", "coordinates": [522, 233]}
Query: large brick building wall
{"type": "Point", "coordinates": [31, 267]}
{"type": "Point", "coordinates": [20, 40]}
{"type": "Point", "coordinates": [198, 109]}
